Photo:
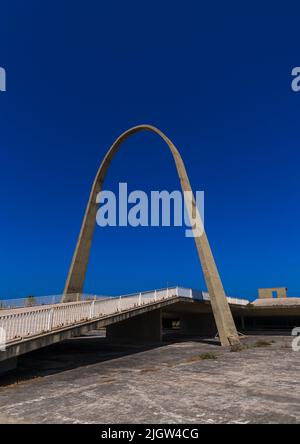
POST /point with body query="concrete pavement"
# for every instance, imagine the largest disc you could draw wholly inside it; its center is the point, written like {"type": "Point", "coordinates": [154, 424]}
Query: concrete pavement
{"type": "Point", "coordinates": [89, 380]}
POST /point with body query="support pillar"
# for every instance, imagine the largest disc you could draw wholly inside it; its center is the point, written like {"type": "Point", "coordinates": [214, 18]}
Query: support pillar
{"type": "Point", "coordinates": [198, 324]}
{"type": "Point", "coordinates": [146, 327]}
{"type": "Point", "coordinates": [9, 364]}
{"type": "Point", "coordinates": [243, 322]}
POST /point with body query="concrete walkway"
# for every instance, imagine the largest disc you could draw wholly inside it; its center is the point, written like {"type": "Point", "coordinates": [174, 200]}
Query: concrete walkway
{"type": "Point", "coordinates": [91, 381]}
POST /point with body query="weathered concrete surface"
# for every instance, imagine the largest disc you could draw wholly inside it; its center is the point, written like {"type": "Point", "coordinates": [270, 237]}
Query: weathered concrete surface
{"type": "Point", "coordinates": [267, 293]}
{"type": "Point", "coordinates": [90, 381]}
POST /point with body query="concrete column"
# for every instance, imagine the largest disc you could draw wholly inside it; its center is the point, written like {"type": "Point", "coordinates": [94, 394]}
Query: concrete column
{"type": "Point", "coordinates": [146, 327]}
{"type": "Point", "coordinates": [9, 364]}
{"type": "Point", "coordinates": [200, 324]}
{"type": "Point", "coordinates": [243, 322]}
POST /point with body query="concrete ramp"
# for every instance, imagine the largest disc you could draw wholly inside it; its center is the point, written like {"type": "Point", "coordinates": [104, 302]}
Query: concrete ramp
{"type": "Point", "coordinates": [29, 328]}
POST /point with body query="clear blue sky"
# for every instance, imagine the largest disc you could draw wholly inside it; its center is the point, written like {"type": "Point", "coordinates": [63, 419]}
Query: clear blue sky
{"type": "Point", "coordinates": [215, 76]}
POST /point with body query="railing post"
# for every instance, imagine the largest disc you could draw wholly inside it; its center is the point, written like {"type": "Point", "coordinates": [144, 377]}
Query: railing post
{"type": "Point", "coordinates": [140, 299]}
{"type": "Point", "coordinates": [191, 293]}
{"type": "Point", "coordinates": [50, 319]}
{"type": "Point", "coordinates": [177, 291]}
{"type": "Point", "coordinates": [92, 309]}
{"type": "Point", "coordinates": [119, 304]}
{"type": "Point", "coordinates": [167, 292]}
{"type": "Point", "coordinates": [155, 295]}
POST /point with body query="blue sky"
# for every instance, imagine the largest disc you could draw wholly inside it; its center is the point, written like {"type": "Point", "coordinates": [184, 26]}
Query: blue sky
{"type": "Point", "coordinates": [214, 76]}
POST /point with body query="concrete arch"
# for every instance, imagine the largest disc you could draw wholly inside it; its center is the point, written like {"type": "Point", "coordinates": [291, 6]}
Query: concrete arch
{"type": "Point", "coordinates": [76, 276]}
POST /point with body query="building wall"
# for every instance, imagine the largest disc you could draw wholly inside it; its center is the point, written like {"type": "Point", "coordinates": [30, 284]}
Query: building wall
{"type": "Point", "coordinates": [267, 293]}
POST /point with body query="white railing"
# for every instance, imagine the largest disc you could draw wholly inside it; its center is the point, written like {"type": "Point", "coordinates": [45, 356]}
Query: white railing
{"type": "Point", "coordinates": [33, 301]}
{"type": "Point", "coordinates": [20, 323]}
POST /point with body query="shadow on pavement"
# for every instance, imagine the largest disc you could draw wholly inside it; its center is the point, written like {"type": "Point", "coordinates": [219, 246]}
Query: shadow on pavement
{"type": "Point", "coordinates": [83, 351]}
